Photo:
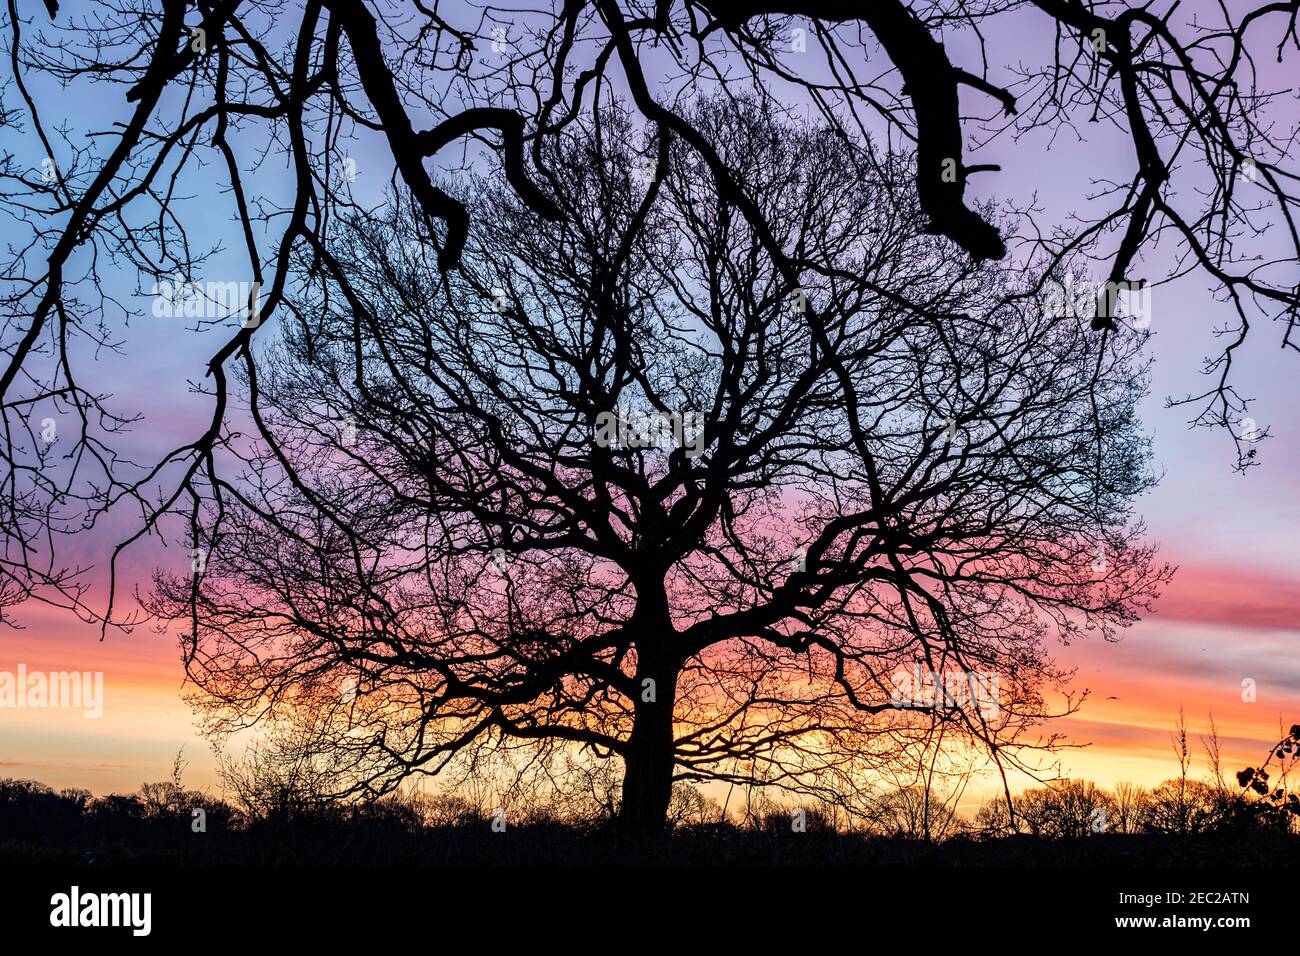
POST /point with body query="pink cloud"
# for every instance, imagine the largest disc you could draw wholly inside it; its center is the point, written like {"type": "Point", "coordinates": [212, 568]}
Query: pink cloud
{"type": "Point", "coordinates": [1222, 594]}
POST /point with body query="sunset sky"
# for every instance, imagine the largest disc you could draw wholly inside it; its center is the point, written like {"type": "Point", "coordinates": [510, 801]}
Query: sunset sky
{"type": "Point", "coordinates": [1232, 612]}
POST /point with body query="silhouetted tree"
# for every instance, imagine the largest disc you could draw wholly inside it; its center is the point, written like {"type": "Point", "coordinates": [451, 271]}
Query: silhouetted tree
{"type": "Point", "coordinates": [1065, 810]}
{"type": "Point", "coordinates": [831, 481]}
{"type": "Point", "coordinates": [1079, 808]}
{"type": "Point", "coordinates": [1129, 808]}
{"type": "Point", "coordinates": [210, 90]}
{"type": "Point", "coordinates": [917, 813]}
{"type": "Point", "coordinates": [1183, 806]}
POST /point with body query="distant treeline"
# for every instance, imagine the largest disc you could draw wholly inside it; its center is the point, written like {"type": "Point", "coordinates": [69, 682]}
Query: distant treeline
{"type": "Point", "coordinates": [1182, 821]}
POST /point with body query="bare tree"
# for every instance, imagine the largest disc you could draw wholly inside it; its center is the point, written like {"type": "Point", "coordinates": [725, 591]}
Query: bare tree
{"type": "Point", "coordinates": [1213, 754]}
{"type": "Point", "coordinates": [922, 798]}
{"type": "Point", "coordinates": [1183, 805]}
{"type": "Point", "coordinates": [919, 813]}
{"type": "Point", "coordinates": [1130, 807]}
{"type": "Point", "coordinates": [222, 86]}
{"type": "Point", "coordinates": [1066, 810]}
{"type": "Point", "coordinates": [623, 484]}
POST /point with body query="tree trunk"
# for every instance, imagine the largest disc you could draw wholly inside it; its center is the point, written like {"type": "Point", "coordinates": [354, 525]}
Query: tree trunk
{"type": "Point", "coordinates": [648, 763]}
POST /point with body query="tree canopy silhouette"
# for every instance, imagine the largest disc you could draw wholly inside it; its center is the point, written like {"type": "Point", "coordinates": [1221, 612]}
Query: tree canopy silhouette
{"type": "Point", "coordinates": [211, 96]}
{"type": "Point", "coordinates": [225, 85]}
{"type": "Point", "coordinates": [817, 480]}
